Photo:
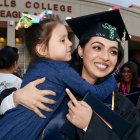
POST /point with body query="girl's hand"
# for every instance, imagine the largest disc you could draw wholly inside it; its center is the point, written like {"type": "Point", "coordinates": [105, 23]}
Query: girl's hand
{"type": "Point", "coordinates": [33, 98]}
{"type": "Point", "coordinates": [79, 112]}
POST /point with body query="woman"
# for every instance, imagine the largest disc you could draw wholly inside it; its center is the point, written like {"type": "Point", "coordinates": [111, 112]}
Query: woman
{"type": "Point", "coordinates": [128, 81]}
{"type": "Point", "coordinates": [99, 54]}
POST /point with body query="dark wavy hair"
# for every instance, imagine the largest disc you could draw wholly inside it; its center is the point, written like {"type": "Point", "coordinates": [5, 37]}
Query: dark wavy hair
{"type": "Point", "coordinates": [133, 69]}
{"type": "Point", "coordinates": [77, 62]}
{"type": "Point", "coordinates": [8, 56]}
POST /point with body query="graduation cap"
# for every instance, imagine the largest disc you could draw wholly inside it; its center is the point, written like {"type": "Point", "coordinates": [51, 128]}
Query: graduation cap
{"type": "Point", "coordinates": [108, 24]}
{"type": "Point", "coordinates": [133, 97]}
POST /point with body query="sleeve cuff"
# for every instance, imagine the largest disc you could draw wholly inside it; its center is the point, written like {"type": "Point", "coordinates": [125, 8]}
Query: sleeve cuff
{"type": "Point", "coordinates": [85, 129]}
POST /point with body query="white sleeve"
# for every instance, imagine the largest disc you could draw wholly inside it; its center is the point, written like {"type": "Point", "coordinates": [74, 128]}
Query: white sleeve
{"type": "Point", "coordinates": [7, 104]}
{"type": "Point", "coordinates": [85, 129]}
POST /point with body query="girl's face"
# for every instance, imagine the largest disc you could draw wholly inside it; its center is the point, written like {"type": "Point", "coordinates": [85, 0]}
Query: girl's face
{"type": "Point", "coordinates": [99, 58]}
{"type": "Point", "coordinates": [127, 75]}
{"type": "Point", "coordinates": [59, 47]}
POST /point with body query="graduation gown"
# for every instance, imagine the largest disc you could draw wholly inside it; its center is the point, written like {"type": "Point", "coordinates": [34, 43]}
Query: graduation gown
{"type": "Point", "coordinates": [98, 130]}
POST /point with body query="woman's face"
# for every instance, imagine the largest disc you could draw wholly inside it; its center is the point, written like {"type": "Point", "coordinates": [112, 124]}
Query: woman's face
{"type": "Point", "coordinates": [99, 58]}
{"type": "Point", "coordinates": [127, 75]}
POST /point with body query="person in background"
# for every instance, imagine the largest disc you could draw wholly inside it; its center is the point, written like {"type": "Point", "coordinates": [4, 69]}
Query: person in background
{"type": "Point", "coordinates": [128, 79]}
{"type": "Point", "coordinates": [42, 39]}
{"type": "Point", "coordinates": [8, 65]}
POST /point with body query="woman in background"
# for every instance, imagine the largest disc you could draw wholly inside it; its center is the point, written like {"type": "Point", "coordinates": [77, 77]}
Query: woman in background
{"type": "Point", "coordinates": [129, 79]}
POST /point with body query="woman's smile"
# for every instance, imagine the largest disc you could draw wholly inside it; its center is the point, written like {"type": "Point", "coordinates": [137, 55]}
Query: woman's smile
{"type": "Point", "coordinates": [100, 66]}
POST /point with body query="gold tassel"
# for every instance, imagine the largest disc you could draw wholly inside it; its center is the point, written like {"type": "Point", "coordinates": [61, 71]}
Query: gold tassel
{"type": "Point", "coordinates": [124, 37]}
{"type": "Point", "coordinates": [113, 102]}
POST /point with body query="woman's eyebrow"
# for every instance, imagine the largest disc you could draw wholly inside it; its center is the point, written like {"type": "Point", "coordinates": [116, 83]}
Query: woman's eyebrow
{"type": "Point", "coordinates": [98, 42]}
{"type": "Point", "coordinates": [114, 47]}
{"type": "Point", "coordinates": [64, 35]}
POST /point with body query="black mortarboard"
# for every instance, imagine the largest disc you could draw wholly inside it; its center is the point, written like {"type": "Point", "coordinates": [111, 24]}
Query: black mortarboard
{"type": "Point", "coordinates": [133, 97]}
{"type": "Point", "coordinates": [108, 24]}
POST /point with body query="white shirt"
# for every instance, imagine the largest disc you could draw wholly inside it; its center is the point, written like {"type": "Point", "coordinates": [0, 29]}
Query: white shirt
{"type": "Point", "coordinates": [8, 81]}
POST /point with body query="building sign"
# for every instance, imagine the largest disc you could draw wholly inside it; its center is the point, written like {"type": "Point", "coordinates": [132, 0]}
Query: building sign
{"type": "Point", "coordinates": [11, 8]}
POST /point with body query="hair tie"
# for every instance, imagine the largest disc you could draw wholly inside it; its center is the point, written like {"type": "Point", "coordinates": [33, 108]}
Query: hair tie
{"type": "Point", "coordinates": [28, 20]}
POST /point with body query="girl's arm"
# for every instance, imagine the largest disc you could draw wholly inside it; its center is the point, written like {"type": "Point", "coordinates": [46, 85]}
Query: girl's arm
{"type": "Point", "coordinates": [72, 80]}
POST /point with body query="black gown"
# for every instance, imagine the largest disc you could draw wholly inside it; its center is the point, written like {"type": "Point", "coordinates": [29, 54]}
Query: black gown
{"type": "Point", "coordinates": [98, 130]}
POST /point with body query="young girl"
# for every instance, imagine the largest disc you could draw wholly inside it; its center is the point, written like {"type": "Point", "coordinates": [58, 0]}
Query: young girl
{"type": "Point", "coordinates": [47, 42]}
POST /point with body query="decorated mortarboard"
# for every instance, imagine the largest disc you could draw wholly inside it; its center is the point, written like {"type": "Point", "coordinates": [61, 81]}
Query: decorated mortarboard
{"type": "Point", "coordinates": [108, 24]}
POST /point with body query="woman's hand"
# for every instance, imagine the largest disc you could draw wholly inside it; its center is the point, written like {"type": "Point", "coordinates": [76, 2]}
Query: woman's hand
{"type": "Point", "coordinates": [79, 112]}
{"type": "Point", "coordinates": [33, 98]}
